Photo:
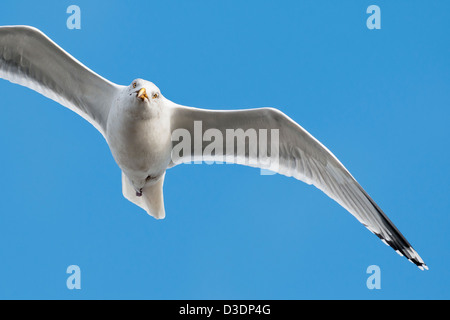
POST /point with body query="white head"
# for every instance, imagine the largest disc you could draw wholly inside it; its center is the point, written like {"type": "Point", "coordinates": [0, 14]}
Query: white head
{"type": "Point", "coordinates": [145, 97]}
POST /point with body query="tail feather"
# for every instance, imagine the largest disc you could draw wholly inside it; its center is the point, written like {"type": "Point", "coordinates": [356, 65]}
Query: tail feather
{"type": "Point", "coordinates": [152, 199]}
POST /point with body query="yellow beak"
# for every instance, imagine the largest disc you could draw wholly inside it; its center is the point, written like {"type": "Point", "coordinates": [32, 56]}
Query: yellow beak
{"type": "Point", "coordinates": [142, 94]}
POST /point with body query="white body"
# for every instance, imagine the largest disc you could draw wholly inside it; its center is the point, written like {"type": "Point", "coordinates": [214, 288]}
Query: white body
{"type": "Point", "coordinates": [139, 136]}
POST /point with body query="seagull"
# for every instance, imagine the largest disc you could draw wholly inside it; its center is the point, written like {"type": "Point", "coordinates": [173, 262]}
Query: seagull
{"type": "Point", "coordinates": [138, 123]}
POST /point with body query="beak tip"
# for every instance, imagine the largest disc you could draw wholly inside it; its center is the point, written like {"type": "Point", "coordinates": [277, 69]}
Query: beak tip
{"type": "Point", "coordinates": [142, 94]}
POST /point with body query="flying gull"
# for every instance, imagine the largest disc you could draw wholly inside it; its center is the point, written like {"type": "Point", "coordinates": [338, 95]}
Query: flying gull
{"type": "Point", "coordinates": [138, 123]}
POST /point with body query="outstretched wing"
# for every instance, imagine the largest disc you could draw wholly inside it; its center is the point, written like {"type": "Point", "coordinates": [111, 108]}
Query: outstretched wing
{"type": "Point", "coordinates": [29, 58]}
{"type": "Point", "coordinates": [297, 153]}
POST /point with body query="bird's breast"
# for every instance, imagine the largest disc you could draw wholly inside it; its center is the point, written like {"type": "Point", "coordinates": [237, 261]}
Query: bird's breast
{"type": "Point", "coordinates": [140, 146]}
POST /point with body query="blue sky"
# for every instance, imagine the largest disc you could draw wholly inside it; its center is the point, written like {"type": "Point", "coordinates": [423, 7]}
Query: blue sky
{"type": "Point", "coordinates": [378, 99]}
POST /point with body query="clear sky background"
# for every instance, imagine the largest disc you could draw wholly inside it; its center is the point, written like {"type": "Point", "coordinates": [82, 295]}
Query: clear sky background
{"type": "Point", "coordinates": [378, 99]}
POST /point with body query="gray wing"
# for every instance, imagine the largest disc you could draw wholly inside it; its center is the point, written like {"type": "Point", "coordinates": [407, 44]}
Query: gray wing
{"type": "Point", "coordinates": [29, 58]}
{"type": "Point", "coordinates": [299, 155]}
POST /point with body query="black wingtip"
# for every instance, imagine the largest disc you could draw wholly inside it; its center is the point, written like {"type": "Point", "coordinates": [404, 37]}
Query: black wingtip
{"type": "Point", "coordinates": [408, 252]}
{"type": "Point", "coordinates": [420, 264]}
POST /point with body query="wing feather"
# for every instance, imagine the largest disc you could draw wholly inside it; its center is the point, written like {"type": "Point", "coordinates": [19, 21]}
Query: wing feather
{"type": "Point", "coordinates": [300, 156]}
{"type": "Point", "coordinates": [29, 58]}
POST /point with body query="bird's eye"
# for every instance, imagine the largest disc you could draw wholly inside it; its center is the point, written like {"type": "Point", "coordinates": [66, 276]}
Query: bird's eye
{"type": "Point", "coordinates": [155, 96]}
{"type": "Point", "coordinates": [134, 84]}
